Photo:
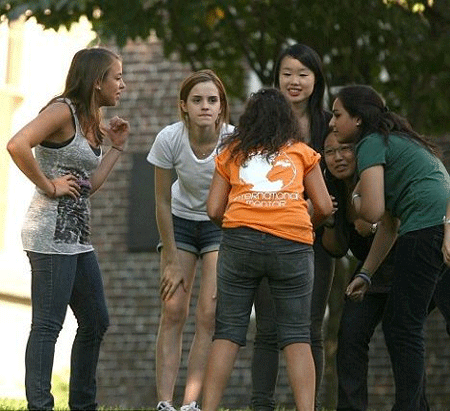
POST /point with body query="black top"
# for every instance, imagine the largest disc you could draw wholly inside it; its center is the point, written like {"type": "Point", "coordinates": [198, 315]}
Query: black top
{"type": "Point", "coordinates": [350, 239]}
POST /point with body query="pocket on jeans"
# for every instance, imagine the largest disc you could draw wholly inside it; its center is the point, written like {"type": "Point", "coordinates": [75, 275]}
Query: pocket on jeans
{"type": "Point", "coordinates": [236, 263]}
{"type": "Point", "coordinates": [295, 264]}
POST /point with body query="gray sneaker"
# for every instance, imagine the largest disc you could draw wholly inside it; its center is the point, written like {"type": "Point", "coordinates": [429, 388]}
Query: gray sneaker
{"type": "Point", "coordinates": [193, 406]}
{"type": "Point", "coordinates": [165, 406]}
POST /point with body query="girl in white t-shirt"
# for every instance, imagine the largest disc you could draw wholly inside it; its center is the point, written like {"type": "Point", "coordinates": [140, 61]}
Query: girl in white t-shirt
{"type": "Point", "coordinates": [187, 234]}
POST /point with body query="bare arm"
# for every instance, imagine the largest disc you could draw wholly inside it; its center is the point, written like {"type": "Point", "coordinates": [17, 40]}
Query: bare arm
{"type": "Point", "coordinates": [117, 131]}
{"type": "Point", "coordinates": [52, 124]}
{"type": "Point", "coordinates": [383, 241]}
{"type": "Point", "coordinates": [318, 194]}
{"type": "Point", "coordinates": [171, 271]}
{"type": "Point", "coordinates": [217, 198]}
{"type": "Point", "coordinates": [446, 242]}
{"type": "Point", "coordinates": [368, 197]}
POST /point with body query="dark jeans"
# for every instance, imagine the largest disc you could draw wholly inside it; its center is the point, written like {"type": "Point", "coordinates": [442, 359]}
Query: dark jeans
{"type": "Point", "coordinates": [266, 352]}
{"type": "Point", "coordinates": [324, 266]}
{"type": "Point", "coordinates": [245, 257]}
{"type": "Point", "coordinates": [58, 281]}
{"type": "Point", "coordinates": [265, 356]}
{"type": "Point", "coordinates": [418, 268]}
{"type": "Point", "coordinates": [358, 323]}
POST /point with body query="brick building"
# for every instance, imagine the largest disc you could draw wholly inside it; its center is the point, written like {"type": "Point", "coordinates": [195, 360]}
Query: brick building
{"type": "Point", "coordinates": [124, 234]}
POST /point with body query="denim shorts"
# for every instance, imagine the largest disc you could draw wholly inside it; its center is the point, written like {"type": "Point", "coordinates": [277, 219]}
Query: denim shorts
{"type": "Point", "coordinates": [245, 257]}
{"type": "Point", "coordinates": [197, 237]}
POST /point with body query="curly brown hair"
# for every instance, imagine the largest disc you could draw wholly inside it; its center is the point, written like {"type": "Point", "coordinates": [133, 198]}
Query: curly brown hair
{"type": "Point", "coordinates": [267, 124]}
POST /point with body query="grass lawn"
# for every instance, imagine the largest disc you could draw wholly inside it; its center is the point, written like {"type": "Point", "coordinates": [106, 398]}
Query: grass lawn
{"type": "Point", "coordinates": [21, 405]}
{"type": "Point", "coordinates": [60, 391]}
{"type": "Point", "coordinates": [61, 405]}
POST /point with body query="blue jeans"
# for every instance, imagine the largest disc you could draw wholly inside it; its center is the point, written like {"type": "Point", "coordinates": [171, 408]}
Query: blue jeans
{"type": "Point", "coordinates": [265, 356]}
{"type": "Point", "coordinates": [196, 237]}
{"type": "Point", "coordinates": [59, 281]}
{"type": "Point", "coordinates": [418, 268]}
{"type": "Point", "coordinates": [245, 257]}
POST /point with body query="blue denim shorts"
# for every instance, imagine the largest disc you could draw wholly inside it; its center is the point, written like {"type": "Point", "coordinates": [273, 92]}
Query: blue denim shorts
{"type": "Point", "coordinates": [197, 237]}
{"type": "Point", "coordinates": [245, 257]}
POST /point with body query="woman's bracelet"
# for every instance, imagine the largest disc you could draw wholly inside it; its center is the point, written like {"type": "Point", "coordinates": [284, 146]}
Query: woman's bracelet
{"type": "Point", "coordinates": [117, 148]}
{"type": "Point", "coordinates": [355, 196]}
{"type": "Point", "coordinates": [445, 220]}
{"type": "Point", "coordinates": [54, 189]}
{"type": "Point", "coordinates": [365, 277]}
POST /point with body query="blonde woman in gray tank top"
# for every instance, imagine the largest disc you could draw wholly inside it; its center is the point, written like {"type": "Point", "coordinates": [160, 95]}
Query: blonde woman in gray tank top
{"type": "Point", "coordinates": [67, 167]}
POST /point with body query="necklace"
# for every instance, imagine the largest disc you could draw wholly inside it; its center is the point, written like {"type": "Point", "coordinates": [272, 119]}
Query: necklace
{"type": "Point", "coordinates": [202, 153]}
{"type": "Point", "coordinates": [203, 149]}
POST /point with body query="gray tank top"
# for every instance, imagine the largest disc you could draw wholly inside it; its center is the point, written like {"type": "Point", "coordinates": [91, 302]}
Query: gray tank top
{"type": "Point", "coordinates": [61, 225]}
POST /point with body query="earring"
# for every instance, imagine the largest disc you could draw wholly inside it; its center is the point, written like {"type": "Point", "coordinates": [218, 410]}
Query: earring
{"type": "Point", "coordinates": [98, 88]}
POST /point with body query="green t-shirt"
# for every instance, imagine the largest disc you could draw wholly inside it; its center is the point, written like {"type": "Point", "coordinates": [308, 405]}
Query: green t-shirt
{"type": "Point", "coordinates": [416, 183]}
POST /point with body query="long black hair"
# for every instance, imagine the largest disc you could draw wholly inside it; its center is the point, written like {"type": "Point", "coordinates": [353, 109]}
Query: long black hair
{"type": "Point", "coordinates": [364, 102]}
{"type": "Point", "coordinates": [267, 124]}
{"type": "Point", "coordinates": [319, 118]}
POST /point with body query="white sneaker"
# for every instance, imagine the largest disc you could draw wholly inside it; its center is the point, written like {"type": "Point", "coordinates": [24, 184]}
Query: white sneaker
{"type": "Point", "coordinates": [193, 406]}
{"type": "Point", "coordinates": [165, 406]}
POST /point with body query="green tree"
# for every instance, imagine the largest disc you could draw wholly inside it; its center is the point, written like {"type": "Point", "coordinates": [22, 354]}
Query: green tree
{"type": "Point", "coordinates": [401, 47]}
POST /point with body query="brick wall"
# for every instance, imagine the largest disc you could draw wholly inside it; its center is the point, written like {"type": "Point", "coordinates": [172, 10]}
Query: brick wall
{"type": "Point", "coordinates": [126, 372]}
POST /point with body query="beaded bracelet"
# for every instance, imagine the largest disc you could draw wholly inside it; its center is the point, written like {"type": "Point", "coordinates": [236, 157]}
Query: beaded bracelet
{"type": "Point", "coordinates": [365, 277]}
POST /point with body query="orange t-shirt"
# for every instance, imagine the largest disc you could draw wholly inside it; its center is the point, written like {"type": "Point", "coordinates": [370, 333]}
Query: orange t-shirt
{"type": "Point", "coordinates": [269, 195]}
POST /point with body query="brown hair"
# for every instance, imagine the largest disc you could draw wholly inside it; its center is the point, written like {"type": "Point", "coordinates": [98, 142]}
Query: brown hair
{"type": "Point", "coordinates": [202, 76]}
{"type": "Point", "coordinates": [267, 124]}
{"type": "Point", "coordinates": [88, 69]}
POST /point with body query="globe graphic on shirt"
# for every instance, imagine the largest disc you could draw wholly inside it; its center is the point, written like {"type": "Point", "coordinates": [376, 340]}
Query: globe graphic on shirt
{"type": "Point", "coordinates": [262, 174]}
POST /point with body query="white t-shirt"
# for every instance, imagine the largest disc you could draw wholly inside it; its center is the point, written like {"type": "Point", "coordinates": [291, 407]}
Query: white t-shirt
{"type": "Point", "coordinates": [171, 149]}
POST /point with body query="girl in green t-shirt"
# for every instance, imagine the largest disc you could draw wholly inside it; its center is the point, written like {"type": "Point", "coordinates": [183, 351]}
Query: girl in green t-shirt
{"type": "Point", "coordinates": [400, 177]}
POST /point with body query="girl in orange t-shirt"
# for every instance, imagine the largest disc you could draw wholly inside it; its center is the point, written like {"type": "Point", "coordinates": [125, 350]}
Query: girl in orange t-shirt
{"type": "Point", "coordinates": [257, 197]}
